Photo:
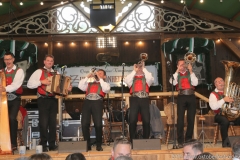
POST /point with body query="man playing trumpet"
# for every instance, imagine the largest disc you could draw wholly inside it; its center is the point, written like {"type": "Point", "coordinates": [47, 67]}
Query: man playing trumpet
{"type": "Point", "coordinates": [139, 81]}
{"type": "Point", "coordinates": [93, 105]}
{"type": "Point", "coordinates": [216, 101]}
{"type": "Point", "coordinates": [185, 80]}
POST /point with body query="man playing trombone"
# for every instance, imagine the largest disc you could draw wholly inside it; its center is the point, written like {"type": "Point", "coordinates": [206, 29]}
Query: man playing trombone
{"type": "Point", "coordinates": [93, 105]}
{"type": "Point", "coordinates": [185, 80]}
{"type": "Point", "coordinates": [139, 81]}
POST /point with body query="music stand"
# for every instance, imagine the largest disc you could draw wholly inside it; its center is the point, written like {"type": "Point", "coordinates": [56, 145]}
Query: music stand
{"type": "Point", "coordinates": [202, 105]}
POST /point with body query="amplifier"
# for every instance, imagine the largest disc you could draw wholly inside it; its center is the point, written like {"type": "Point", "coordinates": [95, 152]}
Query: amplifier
{"type": "Point", "coordinates": [33, 122]}
{"type": "Point", "coordinates": [73, 128]}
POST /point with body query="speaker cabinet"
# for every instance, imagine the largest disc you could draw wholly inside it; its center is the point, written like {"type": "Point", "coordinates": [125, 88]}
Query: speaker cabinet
{"type": "Point", "coordinates": [102, 14]}
{"type": "Point", "coordinates": [146, 144]}
{"type": "Point", "coordinates": [72, 147]}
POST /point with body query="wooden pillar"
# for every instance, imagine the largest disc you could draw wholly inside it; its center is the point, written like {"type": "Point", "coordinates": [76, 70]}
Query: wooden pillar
{"type": "Point", "coordinates": [164, 69]}
{"type": "Point", "coordinates": [50, 47]}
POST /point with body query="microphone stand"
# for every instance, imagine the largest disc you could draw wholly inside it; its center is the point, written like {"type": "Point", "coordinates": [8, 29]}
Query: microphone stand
{"type": "Point", "coordinates": [62, 104]}
{"type": "Point", "coordinates": [110, 123]}
{"type": "Point", "coordinates": [122, 104]}
{"type": "Point", "coordinates": [173, 112]}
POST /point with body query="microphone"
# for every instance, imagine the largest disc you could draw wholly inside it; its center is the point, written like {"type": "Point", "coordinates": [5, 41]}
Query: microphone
{"type": "Point", "coordinates": [65, 66]}
{"type": "Point", "coordinates": [123, 64]}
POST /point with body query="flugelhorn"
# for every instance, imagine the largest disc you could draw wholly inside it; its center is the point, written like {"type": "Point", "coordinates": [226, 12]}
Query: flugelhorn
{"type": "Point", "coordinates": [190, 58]}
{"type": "Point", "coordinates": [94, 73]}
{"type": "Point", "coordinates": [143, 57]}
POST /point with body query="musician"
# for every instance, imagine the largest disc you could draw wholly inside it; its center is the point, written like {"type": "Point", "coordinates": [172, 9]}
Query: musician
{"type": "Point", "coordinates": [47, 103]}
{"type": "Point", "coordinates": [185, 80]}
{"type": "Point", "coordinates": [139, 81]}
{"type": "Point", "coordinates": [216, 100]}
{"type": "Point", "coordinates": [93, 105]}
{"type": "Point", "coordinates": [14, 80]}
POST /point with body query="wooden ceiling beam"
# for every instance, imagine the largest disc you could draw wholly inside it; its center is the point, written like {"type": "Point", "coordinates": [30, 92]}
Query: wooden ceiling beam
{"type": "Point", "coordinates": [235, 16]}
{"type": "Point", "coordinates": [192, 4]}
{"type": "Point", "coordinates": [27, 12]}
{"type": "Point", "coordinates": [228, 43]}
{"type": "Point", "coordinates": [134, 36]}
{"type": "Point", "coordinates": [199, 13]}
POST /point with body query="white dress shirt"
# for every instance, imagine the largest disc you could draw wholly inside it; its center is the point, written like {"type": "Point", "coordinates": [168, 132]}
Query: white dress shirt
{"type": "Point", "coordinates": [194, 79]}
{"type": "Point", "coordinates": [17, 81]}
{"type": "Point", "coordinates": [34, 80]}
{"type": "Point", "coordinates": [83, 85]}
{"type": "Point", "coordinates": [148, 75]}
{"type": "Point", "coordinates": [214, 103]}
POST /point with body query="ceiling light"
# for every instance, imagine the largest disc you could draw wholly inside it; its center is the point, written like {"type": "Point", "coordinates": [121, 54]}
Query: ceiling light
{"type": "Point", "coordinates": [162, 1]}
{"type": "Point", "coordinates": [0, 3]}
{"type": "Point", "coordinates": [181, 1]}
{"type": "Point", "coordinates": [221, 0]}
{"type": "Point", "coordinates": [201, 1]}
{"type": "Point", "coordinates": [21, 3]}
{"type": "Point", "coordinates": [41, 3]}
{"type": "Point", "coordinates": [61, 2]}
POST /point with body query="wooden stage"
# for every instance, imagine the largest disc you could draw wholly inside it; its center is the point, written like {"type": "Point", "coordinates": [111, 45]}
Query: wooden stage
{"type": "Point", "coordinates": [164, 154]}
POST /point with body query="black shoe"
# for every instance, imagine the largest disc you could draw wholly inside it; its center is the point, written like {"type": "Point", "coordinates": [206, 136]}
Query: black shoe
{"type": "Point", "coordinates": [180, 145]}
{"type": "Point", "coordinates": [89, 148]}
{"type": "Point", "coordinates": [55, 148]}
{"type": "Point", "coordinates": [45, 149]}
{"type": "Point", "coordinates": [99, 148]}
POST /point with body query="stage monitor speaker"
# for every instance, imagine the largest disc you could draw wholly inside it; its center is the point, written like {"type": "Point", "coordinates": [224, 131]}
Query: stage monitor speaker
{"type": "Point", "coordinates": [72, 147]}
{"type": "Point", "coordinates": [102, 15]}
{"type": "Point", "coordinates": [146, 144]}
{"type": "Point", "coordinates": [232, 139]}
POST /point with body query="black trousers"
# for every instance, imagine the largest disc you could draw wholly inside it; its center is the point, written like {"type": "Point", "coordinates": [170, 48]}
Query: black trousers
{"type": "Point", "coordinates": [185, 102]}
{"type": "Point", "coordinates": [139, 105]}
{"type": "Point", "coordinates": [48, 108]}
{"type": "Point", "coordinates": [224, 124]}
{"type": "Point", "coordinates": [13, 108]}
{"type": "Point", "coordinates": [94, 108]}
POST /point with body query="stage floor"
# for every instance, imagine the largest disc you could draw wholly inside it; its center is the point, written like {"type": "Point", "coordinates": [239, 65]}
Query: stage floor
{"type": "Point", "coordinates": [165, 153]}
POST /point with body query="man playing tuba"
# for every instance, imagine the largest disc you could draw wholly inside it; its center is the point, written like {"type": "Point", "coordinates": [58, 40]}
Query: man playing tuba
{"type": "Point", "coordinates": [185, 80]}
{"type": "Point", "coordinates": [216, 101]}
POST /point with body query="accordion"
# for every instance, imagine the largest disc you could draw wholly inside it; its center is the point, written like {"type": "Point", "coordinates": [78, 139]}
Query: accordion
{"type": "Point", "coordinates": [59, 84]}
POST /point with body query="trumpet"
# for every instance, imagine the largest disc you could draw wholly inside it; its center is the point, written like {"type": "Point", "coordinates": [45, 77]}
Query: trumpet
{"type": "Point", "coordinates": [190, 58]}
{"type": "Point", "coordinates": [143, 57]}
{"type": "Point", "coordinates": [94, 73]}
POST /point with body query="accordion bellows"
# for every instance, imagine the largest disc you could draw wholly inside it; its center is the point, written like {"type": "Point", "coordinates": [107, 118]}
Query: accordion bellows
{"type": "Point", "coordinates": [59, 84]}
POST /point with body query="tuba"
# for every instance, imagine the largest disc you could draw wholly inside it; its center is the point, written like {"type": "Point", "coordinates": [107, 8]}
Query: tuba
{"type": "Point", "coordinates": [190, 58]}
{"type": "Point", "coordinates": [232, 89]}
{"type": "Point", "coordinates": [143, 57]}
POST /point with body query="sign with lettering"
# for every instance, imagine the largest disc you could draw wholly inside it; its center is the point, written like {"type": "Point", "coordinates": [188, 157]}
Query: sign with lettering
{"type": "Point", "coordinates": [114, 73]}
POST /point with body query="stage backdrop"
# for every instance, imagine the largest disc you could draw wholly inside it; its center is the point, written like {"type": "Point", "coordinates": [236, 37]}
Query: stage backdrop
{"type": "Point", "coordinates": [114, 73]}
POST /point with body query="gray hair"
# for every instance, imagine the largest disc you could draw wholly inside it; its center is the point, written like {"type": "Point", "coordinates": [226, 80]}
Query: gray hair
{"type": "Point", "coordinates": [196, 145]}
{"type": "Point", "coordinates": [236, 149]}
{"type": "Point", "coordinates": [119, 140]}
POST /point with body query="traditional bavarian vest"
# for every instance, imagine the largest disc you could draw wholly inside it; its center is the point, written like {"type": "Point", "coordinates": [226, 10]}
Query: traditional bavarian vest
{"type": "Point", "coordinates": [139, 84]}
{"type": "Point", "coordinates": [9, 78]}
{"type": "Point", "coordinates": [42, 89]}
{"type": "Point", "coordinates": [95, 87]}
{"type": "Point", "coordinates": [219, 96]}
{"type": "Point", "coordinates": [184, 81]}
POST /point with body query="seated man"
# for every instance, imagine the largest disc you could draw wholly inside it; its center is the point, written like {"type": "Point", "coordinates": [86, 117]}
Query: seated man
{"type": "Point", "coordinates": [216, 101]}
{"type": "Point", "coordinates": [121, 147]}
{"type": "Point", "coordinates": [191, 149]}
